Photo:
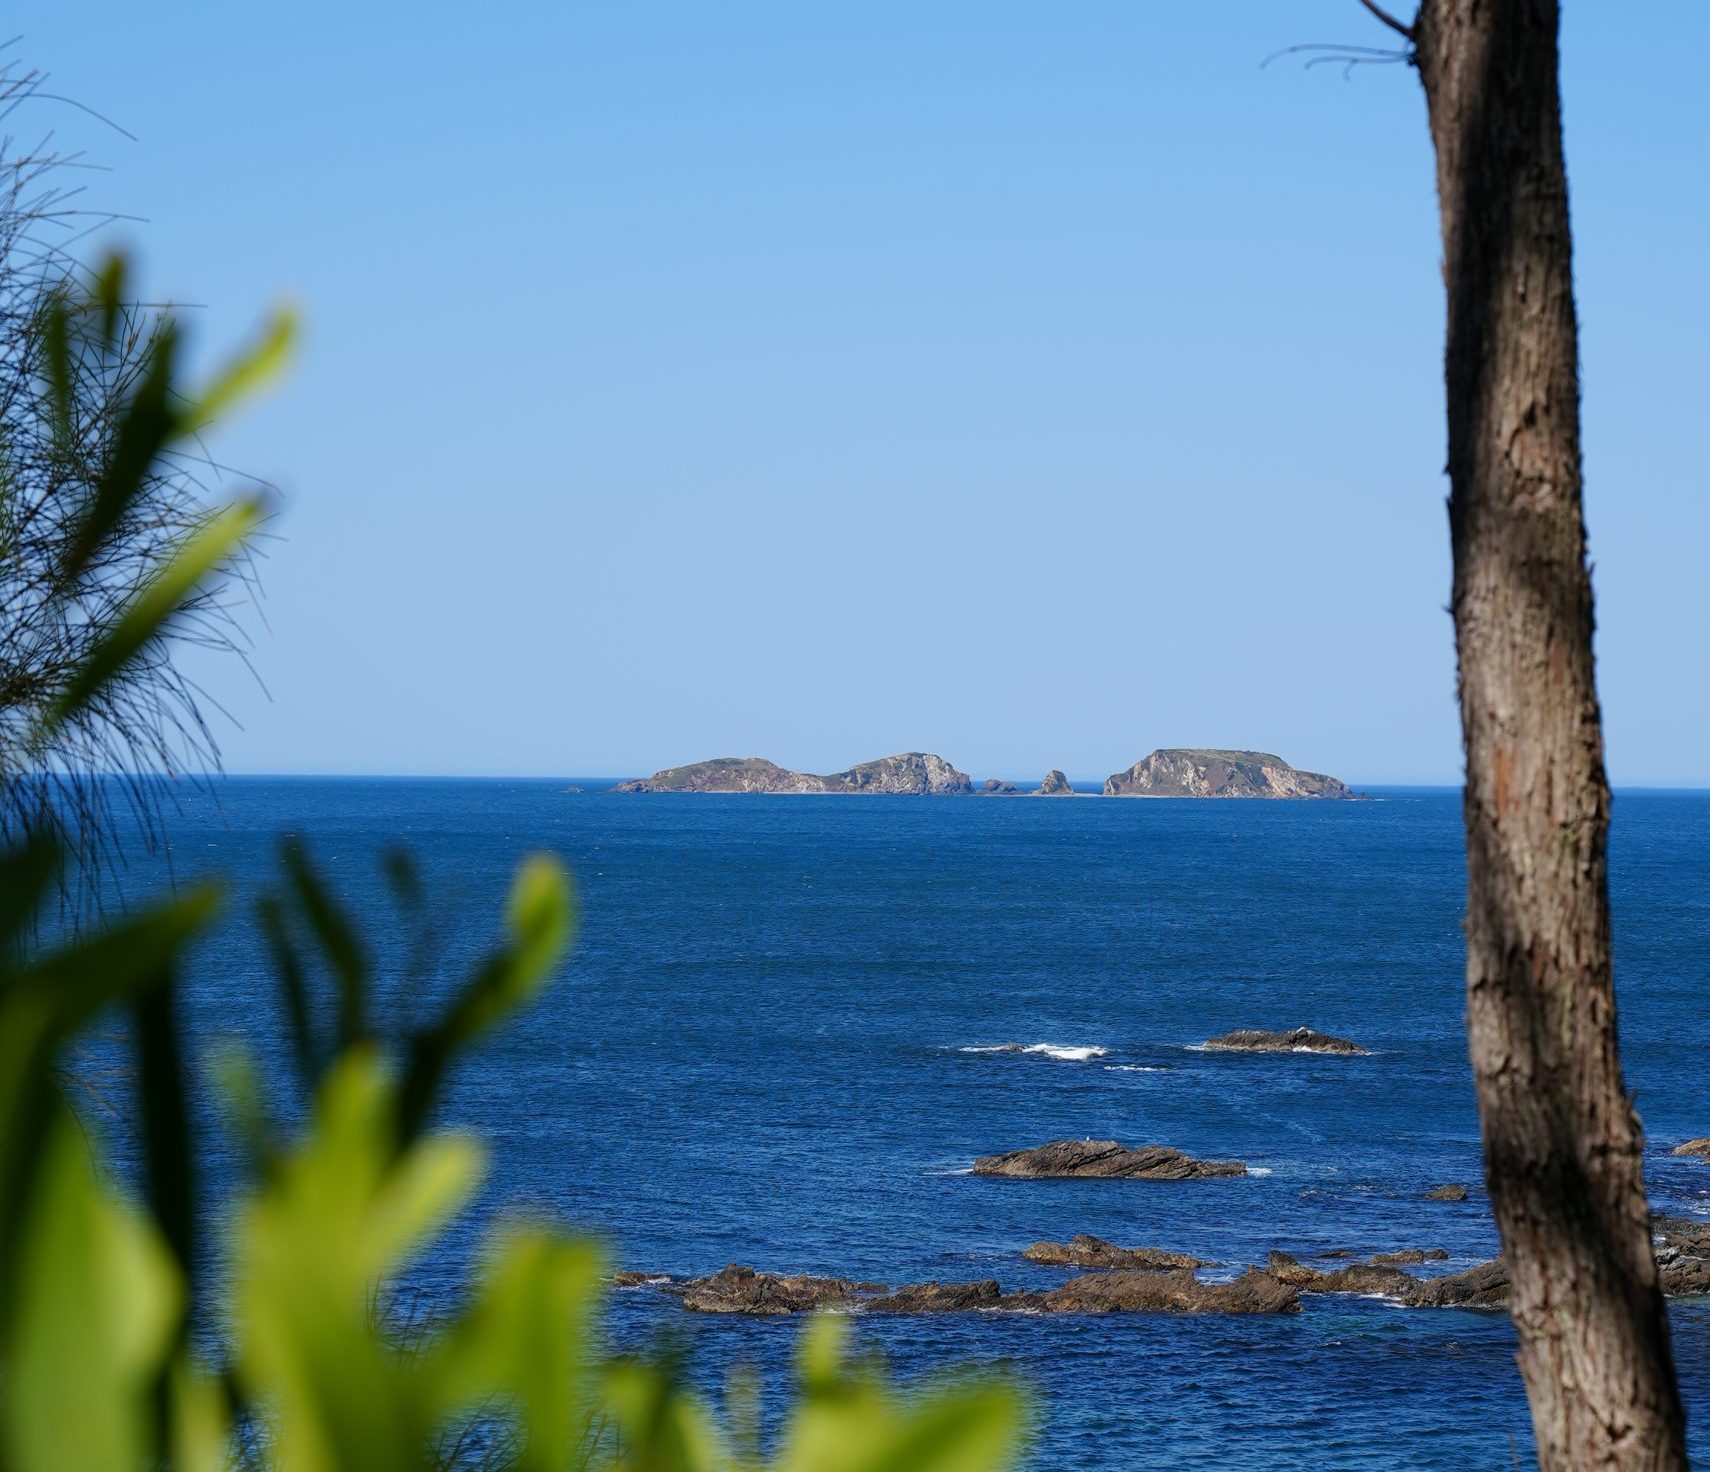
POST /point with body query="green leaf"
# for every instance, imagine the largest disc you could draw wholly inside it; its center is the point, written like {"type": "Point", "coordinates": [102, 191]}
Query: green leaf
{"type": "Point", "coordinates": [540, 913]}
{"type": "Point", "coordinates": [337, 937]}
{"type": "Point", "coordinates": [96, 1307]}
{"type": "Point", "coordinates": [147, 615]}
{"type": "Point", "coordinates": [248, 371]}
{"type": "Point", "coordinates": [526, 1342]}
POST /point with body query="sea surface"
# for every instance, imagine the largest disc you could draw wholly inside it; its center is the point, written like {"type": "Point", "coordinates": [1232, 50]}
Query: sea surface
{"type": "Point", "coordinates": [773, 1044]}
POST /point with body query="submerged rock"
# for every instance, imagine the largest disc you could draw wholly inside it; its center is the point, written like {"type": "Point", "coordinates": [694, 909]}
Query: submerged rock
{"type": "Point", "coordinates": [740, 1290]}
{"type": "Point", "coordinates": [1446, 1193]}
{"type": "Point", "coordinates": [1407, 1255]}
{"type": "Point", "coordinates": [1700, 1148]}
{"type": "Point", "coordinates": [1083, 1251]}
{"type": "Point", "coordinates": [1185, 771]}
{"type": "Point", "coordinates": [1299, 1040]}
{"type": "Point", "coordinates": [997, 787]}
{"type": "Point", "coordinates": [1054, 785]}
{"type": "Point", "coordinates": [1104, 1159]}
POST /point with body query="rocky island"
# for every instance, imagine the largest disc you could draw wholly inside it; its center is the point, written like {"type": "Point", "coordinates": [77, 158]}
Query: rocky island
{"type": "Point", "coordinates": [912, 773]}
{"type": "Point", "coordinates": [1184, 771]}
{"type": "Point", "coordinates": [1054, 785]}
{"type": "Point", "coordinates": [1103, 1159]}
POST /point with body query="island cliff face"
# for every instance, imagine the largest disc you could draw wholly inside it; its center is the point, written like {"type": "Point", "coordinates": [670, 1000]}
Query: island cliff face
{"type": "Point", "coordinates": [1180, 771]}
{"type": "Point", "coordinates": [913, 773]}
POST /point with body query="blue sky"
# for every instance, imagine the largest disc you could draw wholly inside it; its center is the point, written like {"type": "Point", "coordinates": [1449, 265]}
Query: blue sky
{"type": "Point", "coordinates": [1035, 384]}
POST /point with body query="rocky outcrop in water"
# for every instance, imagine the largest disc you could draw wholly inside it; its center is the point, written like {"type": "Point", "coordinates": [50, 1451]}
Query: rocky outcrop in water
{"type": "Point", "coordinates": [741, 1290]}
{"type": "Point", "coordinates": [1183, 771]}
{"type": "Point", "coordinates": [1300, 1040]}
{"type": "Point", "coordinates": [1447, 1193]}
{"type": "Point", "coordinates": [1083, 1251]}
{"type": "Point", "coordinates": [1145, 1280]}
{"type": "Point", "coordinates": [997, 787]}
{"type": "Point", "coordinates": [1103, 1159]}
{"type": "Point", "coordinates": [1054, 785]}
{"type": "Point", "coordinates": [912, 773]}
{"type": "Point", "coordinates": [1700, 1148]}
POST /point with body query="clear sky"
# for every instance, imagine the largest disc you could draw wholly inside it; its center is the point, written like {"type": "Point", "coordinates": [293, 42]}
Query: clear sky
{"type": "Point", "coordinates": [1032, 383]}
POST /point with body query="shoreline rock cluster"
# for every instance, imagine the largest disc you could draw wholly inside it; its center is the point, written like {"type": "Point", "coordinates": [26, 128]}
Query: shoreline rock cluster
{"type": "Point", "coordinates": [1114, 1279]}
{"type": "Point", "coordinates": [1177, 771]}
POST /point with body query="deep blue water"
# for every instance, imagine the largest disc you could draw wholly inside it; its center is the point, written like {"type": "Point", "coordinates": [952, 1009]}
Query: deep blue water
{"type": "Point", "coordinates": [759, 1053]}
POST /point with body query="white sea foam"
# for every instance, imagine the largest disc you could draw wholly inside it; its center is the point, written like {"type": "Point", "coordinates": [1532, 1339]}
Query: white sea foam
{"type": "Point", "coordinates": [1064, 1052]}
{"type": "Point", "coordinates": [1135, 1068]}
{"type": "Point", "coordinates": [1258, 1170]}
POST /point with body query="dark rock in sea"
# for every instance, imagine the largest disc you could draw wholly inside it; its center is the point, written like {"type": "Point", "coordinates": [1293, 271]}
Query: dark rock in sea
{"type": "Point", "coordinates": [938, 1298]}
{"type": "Point", "coordinates": [1700, 1148]}
{"type": "Point", "coordinates": [1683, 1254]}
{"type": "Point", "coordinates": [1054, 785]}
{"type": "Point", "coordinates": [1181, 771]}
{"type": "Point", "coordinates": [628, 1279]}
{"type": "Point", "coordinates": [997, 787]}
{"type": "Point", "coordinates": [1083, 1251]}
{"type": "Point", "coordinates": [741, 1290]}
{"type": "Point", "coordinates": [1484, 1286]}
{"type": "Point", "coordinates": [1290, 1270]}
{"type": "Point", "coordinates": [1446, 1193]}
{"type": "Point", "coordinates": [1407, 1255]}
{"type": "Point", "coordinates": [913, 773]}
{"type": "Point", "coordinates": [1177, 1291]}
{"type": "Point", "coordinates": [1688, 1234]}
{"type": "Point", "coordinates": [1299, 1040]}
{"type": "Point", "coordinates": [1104, 1159]}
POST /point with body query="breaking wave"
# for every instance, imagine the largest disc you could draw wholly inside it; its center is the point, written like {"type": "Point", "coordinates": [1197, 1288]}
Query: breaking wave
{"type": "Point", "coordinates": [1064, 1052]}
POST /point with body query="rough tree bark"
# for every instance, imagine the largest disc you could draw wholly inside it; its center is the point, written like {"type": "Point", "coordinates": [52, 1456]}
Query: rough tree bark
{"type": "Point", "coordinates": [1562, 1142]}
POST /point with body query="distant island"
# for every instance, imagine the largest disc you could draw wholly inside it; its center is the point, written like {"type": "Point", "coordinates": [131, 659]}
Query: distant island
{"type": "Point", "coordinates": [1187, 771]}
{"type": "Point", "coordinates": [913, 773]}
{"type": "Point", "coordinates": [1173, 771]}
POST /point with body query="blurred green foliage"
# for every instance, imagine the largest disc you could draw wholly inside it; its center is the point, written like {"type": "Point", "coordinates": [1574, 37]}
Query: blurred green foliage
{"type": "Point", "coordinates": [300, 1367]}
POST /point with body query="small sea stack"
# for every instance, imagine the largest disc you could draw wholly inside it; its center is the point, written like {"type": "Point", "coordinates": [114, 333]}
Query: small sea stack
{"type": "Point", "coordinates": [1054, 785]}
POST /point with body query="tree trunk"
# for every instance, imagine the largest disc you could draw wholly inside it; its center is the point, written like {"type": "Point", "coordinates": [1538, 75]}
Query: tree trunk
{"type": "Point", "coordinates": [1562, 1142]}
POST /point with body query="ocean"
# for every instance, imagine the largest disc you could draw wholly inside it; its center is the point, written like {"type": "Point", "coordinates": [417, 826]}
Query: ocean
{"type": "Point", "coordinates": [775, 1043]}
